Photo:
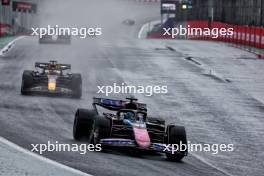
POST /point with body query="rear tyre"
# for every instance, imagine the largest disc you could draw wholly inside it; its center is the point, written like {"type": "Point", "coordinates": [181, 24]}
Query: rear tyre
{"type": "Point", "coordinates": [176, 135]}
{"type": "Point", "coordinates": [76, 85]}
{"type": "Point", "coordinates": [27, 81]}
{"type": "Point", "coordinates": [84, 124]}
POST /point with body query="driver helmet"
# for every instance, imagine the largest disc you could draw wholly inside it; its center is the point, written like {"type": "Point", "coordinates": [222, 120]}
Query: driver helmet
{"type": "Point", "coordinates": [140, 117]}
{"type": "Point", "coordinates": [129, 116]}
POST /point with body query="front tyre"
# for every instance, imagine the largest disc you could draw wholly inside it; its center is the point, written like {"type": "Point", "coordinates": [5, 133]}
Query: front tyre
{"type": "Point", "coordinates": [27, 81]}
{"type": "Point", "coordinates": [177, 135]}
{"type": "Point", "coordinates": [84, 124]}
{"type": "Point", "coordinates": [76, 86]}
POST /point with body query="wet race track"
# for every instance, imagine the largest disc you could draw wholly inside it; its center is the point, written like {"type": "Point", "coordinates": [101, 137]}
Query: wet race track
{"type": "Point", "coordinates": [214, 90]}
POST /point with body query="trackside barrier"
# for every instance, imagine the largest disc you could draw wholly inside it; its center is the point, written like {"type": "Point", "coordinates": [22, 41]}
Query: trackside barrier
{"type": "Point", "coordinates": [258, 37]}
{"type": "Point", "coordinates": [4, 29]}
{"type": "Point", "coordinates": [242, 35]}
{"type": "Point", "coordinates": [262, 39]}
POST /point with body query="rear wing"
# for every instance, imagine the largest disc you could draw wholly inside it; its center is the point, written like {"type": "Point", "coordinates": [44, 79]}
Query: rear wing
{"type": "Point", "coordinates": [56, 66]}
{"type": "Point", "coordinates": [115, 105]}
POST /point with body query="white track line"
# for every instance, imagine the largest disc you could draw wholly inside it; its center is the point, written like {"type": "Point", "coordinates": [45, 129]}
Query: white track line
{"type": "Point", "coordinates": [41, 158]}
{"type": "Point", "coordinates": [141, 30]}
{"type": "Point", "coordinates": [209, 164]}
{"type": "Point", "coordinates": [149, 25]}
{"type": "Point", "coordinates": [9, 46]}
{"type": "Point", "coordinates": [31, 154]}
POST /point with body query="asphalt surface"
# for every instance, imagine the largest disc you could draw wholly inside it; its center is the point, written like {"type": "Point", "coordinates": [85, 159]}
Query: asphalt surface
{"type": "Point", "coordinates": [219, 100]}
{"type": "Point", "coordinates": [24, 162]}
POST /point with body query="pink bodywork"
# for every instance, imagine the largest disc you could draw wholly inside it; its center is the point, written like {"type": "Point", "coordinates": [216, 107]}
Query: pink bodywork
{"type": "Point", "coordinates": [141, 137]}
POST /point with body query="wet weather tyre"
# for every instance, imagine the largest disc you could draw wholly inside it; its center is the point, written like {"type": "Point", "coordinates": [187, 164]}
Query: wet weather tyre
{"type": "Point", "coordinates": [27, 81]}
{"type": "Point", "coordinates": [176, 135]}
{"type": "Point", "coordinates": [76, 85]}
{"type": "Point", "coordinates": [83, 126]}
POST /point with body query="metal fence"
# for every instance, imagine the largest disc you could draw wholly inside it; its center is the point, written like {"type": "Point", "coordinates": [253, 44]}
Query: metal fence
{"type": "Point", "coordinates": [241, 12]}
{"type": "Point", "coordinates": [17, 19]}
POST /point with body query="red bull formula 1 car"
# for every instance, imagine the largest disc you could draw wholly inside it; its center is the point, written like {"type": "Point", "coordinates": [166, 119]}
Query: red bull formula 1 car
{"type": "Point", "coordinates": [52, 79]}
{"type": "Point", "coordinates": [129, 127]}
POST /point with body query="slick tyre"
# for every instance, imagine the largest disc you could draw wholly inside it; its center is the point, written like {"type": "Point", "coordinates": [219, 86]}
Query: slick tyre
{"type": "Point", "coordinates": [84, 124]}
{"type": "Point", "coordinates": [27, 81]}
{"type": "Point", "coordinates": [76, 86]}
{"type": "Point", "coordinates": [176, 135]}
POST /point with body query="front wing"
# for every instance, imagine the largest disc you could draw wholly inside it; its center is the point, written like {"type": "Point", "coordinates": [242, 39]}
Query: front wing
{"type": "Point", "coordinates": [158, 147]}
{"type": "Point", "coordinates": [45, 90]}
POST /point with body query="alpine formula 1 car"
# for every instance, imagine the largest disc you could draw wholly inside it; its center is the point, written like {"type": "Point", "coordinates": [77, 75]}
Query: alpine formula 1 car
{"type": "Point", "coordinates": [129, 127]}
{"type": "Point", "coordinates": [53, 79]}
{"type": "Point", "coordinates": [55, 39]}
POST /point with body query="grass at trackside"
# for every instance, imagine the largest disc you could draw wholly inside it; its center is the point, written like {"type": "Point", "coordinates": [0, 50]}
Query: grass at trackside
{"type": "Point", "coordinates": [5, 40]}
{"type": "Point", "coordinates": [250, 48]}
{"type": "Point", "coordinates": [254, 49]}
{"type": "Point", "coordinates": [261, 51]}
